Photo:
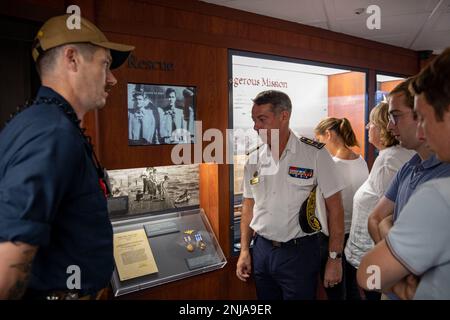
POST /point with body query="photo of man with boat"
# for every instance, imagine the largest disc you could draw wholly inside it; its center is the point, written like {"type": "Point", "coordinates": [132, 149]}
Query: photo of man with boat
{"type": "Point", "coordinates": [153, 189]}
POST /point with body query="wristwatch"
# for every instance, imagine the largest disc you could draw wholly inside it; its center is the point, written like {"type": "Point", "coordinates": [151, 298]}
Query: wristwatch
{"type": "Point", "coordinates": [334, 255]}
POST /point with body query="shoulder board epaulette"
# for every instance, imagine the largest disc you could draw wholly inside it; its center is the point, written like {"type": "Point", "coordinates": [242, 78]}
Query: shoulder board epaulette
{"type": "Point", "coordinates": [253, 150]}
{"type": "Point", "coordinates": [316, 144]}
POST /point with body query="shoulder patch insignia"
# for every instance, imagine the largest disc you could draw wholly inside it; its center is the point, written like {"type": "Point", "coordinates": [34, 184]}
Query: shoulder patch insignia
{"type": "Point", "coordinates": [316, 144]}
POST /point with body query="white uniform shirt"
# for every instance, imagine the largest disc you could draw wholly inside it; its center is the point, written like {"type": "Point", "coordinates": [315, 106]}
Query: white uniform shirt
{"type": "Point", "coordinates": [279, 194]}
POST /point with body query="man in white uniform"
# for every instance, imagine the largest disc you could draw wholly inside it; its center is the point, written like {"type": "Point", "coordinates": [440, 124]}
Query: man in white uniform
{"type": "Point", "coordinates": [286, 257]}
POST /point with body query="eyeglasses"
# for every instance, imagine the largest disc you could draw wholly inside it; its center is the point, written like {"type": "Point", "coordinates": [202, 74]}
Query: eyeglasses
{"type": "Point", "coordinates": [393, 118]}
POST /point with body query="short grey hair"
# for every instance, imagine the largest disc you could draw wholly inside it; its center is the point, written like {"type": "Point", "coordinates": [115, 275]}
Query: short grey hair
{"type": "Point", "coordinates": [280, 101]}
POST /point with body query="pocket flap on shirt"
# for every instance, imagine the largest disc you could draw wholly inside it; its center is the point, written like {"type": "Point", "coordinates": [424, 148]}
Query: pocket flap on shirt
{"type": "Point", "coordinates": [301, 182]}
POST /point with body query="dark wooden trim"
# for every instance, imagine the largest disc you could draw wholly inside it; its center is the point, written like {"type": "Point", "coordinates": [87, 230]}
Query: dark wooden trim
{"type": "Point", "coordinates": [371, 88]}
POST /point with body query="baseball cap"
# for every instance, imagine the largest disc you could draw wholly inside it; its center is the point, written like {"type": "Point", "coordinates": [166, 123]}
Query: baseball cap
{"type": "Point", "coordinates": [55, 33]}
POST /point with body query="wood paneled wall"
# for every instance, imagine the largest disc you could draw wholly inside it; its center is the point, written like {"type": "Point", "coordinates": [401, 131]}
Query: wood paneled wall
{"type": "Point", "coordinates": [196, 36]}
{"type": "Point", "coordinates": [209, 195]}
{"type": "Point", "coordinates": [347, 99]}
{"type": "Point", "coordinates": [199, 22]}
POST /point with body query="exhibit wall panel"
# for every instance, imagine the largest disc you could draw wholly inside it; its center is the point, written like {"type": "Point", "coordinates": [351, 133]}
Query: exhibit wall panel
{"type": "Point", "coordinates": [189, 69]}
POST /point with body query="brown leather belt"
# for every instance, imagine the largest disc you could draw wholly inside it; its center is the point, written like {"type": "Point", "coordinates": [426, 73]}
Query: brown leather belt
{"type": "Point", "coordinates": [281, 244]}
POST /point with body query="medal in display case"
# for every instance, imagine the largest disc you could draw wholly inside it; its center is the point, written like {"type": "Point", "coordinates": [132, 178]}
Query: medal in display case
{"type": "Point", "coordinates": [182, 243]}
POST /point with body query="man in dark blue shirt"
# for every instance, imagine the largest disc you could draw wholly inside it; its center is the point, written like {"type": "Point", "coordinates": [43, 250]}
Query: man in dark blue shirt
{"type": "Point", "coordinates": [55, 233]}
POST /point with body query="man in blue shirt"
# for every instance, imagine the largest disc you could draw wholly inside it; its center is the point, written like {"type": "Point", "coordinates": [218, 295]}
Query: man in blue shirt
{"type": "Point", "coordinates": [55, 233]}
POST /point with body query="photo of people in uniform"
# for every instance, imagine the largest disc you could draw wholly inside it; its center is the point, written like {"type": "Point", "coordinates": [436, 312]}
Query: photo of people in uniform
{"type": "Point", "coordinates": [160, 114]}
{"type": "Point", "coordinates": [153, 189]}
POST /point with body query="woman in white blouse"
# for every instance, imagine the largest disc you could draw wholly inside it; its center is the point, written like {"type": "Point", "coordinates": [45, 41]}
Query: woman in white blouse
{"type": "Point", "coordinates": [389, 160]}
{"type": "Point", "coordinates": [338, 136]}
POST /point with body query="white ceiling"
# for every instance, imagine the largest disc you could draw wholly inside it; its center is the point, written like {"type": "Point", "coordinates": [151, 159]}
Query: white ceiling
{"type": "Point", "coordinates": [412, 24]}
{"type": "Point", "coordinates": [383, 78]}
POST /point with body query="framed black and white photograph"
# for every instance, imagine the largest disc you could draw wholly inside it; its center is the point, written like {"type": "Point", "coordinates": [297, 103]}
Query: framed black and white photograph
{"type": "Point", "coordinates": [160, 114]}
{"type": "Point", "coordinates": [146, 190]}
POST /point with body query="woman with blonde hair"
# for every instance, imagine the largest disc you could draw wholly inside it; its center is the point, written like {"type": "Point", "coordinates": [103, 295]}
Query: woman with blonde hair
{"type": "Point", "coordinates": [389, 160]}
{"type": "Point", "coordinates": [338, 136]}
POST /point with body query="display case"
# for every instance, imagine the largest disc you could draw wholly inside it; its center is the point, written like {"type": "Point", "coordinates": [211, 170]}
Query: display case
{"type": "Point", "coordinates": [160, 232]}
{"type": "Point", "coordinates": [182, 245]}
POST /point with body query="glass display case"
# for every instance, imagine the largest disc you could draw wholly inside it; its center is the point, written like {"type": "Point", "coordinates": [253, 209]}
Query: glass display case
{"type": "Point", "coordinates": [182, 245]}
{"type": "Point", "coordinates": [317, 90]}
{"type": "Point", "coordinates": [160, 232]}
